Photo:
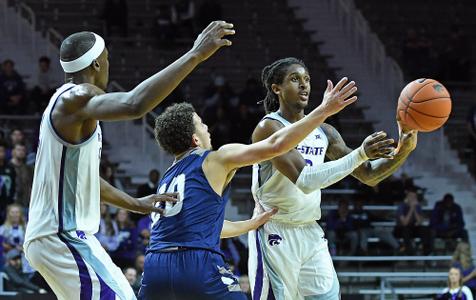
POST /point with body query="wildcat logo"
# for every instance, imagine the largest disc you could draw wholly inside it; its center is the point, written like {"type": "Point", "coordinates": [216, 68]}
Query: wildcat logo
{"type": "Point", "coordinates": [274, 239]}
{"type": "Point", "coordinates": [438, 87]}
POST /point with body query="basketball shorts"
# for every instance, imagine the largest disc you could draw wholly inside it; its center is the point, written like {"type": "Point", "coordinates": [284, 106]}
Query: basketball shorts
{"type": "Point", "coordinates": [77, 267]}
{"type": "Point", "coordinates": [291, 262]}
{"type": "Point", "coordinates": [188, 274]}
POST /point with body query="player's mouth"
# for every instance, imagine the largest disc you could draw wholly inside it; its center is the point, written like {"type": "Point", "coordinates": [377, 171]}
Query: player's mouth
{"type": "Point", "coordinates": [304, 96]}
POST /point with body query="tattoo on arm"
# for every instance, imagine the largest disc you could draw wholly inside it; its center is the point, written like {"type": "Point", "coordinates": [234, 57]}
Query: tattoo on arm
{"type": "Point", "coordinates": [370, 172]}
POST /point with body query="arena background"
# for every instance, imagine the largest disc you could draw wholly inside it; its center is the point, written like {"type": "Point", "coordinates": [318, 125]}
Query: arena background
{"type": "Point", "coordinates": [382, 45]}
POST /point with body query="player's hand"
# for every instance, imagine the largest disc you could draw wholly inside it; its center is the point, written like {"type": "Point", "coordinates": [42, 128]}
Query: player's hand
{"type": "Point", "coordinates": [338, 97]}
{"type": "Point", "coordinates": [407, 140]}
{"type": "Point", "coordinates": [147, 204]}
{"type": "Point", "coordinates": [212, 38]}
{"type": "Point", "coordinates": [377, 145]}
{"type": "Point", "coordinates": [263, 217]}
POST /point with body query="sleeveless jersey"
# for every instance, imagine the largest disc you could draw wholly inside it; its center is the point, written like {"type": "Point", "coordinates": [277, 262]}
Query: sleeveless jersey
{"type": "Point", "coordinates": [272, 189]}
{"type": "Point", "coordinates": [65, 192]}
{"type": "Point", "coordinates": [196, 220]}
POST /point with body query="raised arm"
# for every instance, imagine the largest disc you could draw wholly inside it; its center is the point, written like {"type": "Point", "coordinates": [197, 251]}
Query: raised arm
{"type": "Point", "coordinates": [371, 172]}
{"type": "Point", "coordinates": [97, 105]}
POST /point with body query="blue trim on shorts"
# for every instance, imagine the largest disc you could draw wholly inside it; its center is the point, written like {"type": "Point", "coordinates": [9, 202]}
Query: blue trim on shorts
{"type": "Point", "coordinates": [84, 277]}
{"type": "Point", "coordinates": [86, 253]}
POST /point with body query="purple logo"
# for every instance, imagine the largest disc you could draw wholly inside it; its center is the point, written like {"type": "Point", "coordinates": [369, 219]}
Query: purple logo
{"type": "Point", "coordinates": [318, 136]}
{"type": "Point", "coordinates": [274, 239]}
{"type": "Point", "coordinates": [81, 234]}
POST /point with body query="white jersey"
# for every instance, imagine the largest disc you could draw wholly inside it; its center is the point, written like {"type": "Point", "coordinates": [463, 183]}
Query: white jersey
{"type": "Point", "coordinates": [65, 193]}
{"type": "Point", "coordinates": [272, 189]}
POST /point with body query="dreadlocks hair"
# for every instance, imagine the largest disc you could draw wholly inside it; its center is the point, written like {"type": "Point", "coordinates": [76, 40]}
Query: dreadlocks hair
{"type": "Point", "coordinates": [274, 74]}
{"type": "Point", "coordinates": [174, 128]}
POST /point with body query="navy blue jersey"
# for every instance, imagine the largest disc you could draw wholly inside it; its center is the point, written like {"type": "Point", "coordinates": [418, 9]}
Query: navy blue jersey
{"type": "Point", "coordinates": [196, 220]}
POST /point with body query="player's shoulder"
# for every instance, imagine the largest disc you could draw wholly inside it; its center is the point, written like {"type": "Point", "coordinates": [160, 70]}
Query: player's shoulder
{"type": "Point", "coordinates": [81, 93]}
{"type": "Point", "coordinates": [265, 128]}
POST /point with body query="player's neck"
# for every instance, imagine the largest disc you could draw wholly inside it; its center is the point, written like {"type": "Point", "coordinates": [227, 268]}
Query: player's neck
{"type": "Point", "coordinates": [78, 78]}
{"type": "Point", "coordinates": [291, 116]}
{"type": "Point", "coordinates": [183, 154]}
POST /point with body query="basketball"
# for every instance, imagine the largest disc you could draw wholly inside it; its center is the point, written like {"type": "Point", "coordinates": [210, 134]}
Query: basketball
{"type": "Point", "coordinates": [424, 105]}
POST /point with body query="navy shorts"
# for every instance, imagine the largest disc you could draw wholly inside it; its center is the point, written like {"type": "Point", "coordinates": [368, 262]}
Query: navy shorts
{"type": "Point", "coordinates": [188, 274]}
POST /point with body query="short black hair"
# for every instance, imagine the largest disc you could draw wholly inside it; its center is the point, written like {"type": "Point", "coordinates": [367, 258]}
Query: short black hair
{"type": "Point", "coordinates": [8, 61]}
{"type": "Point", "coordinates": [44, 59]}
{"type": "Point", "coordinates": [274, 74]}
{"type": "Point", "coordinates": [174, 128]}
{"type": "Point", "coordinates": [76, 45]}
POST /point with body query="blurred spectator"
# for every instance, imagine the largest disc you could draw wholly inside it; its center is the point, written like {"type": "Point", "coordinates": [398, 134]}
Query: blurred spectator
{"type": "Point", "coordinates": [12, 90]}
{"type": "Point", "coordinates": [108, 233]}
{"type": "Point", "coordinates": [17, 280]}
{"type": "Point", "coordinates": [409, 225]}
{"type": "Point", "coordinates": [210, 10]}
{"type": "Point", "coordinates": [131, 276]}
{"type": "Point", "coordinates": [18, 137]}
{"type": "Point", "coordinates": [125, 254]}
{"type": "Point", "coordinates": [463, 260]}
{"type": "Point", "coordinates": [218, 94]}
{"type": "Point", "coordinates": [243, 124]}
{"type": "Point", "coordinates": [151, 186]}
{"type": "Point", "coordinates": [185, 11]}
{"type": "Point", "coordinates": [45, 86]}
{"type": "Point", "coordinates": [139, 263]}
{"type": "Point", "coordinates": [143, 229]}
{"type": "Point", "coordinates": [245, 285]}
{"type": "Point", "coordinates": [340, 227]}
{"type": "Point", "coordinates": [447, 219]}
{"type": "Point", "coordinates": [107, 172]}
{"type": "Point", "coordinates": [361, 221]}
{"type": "Point", "coordinates": [471, 125]}
{"type": "Point", "coordinates": [220, 129]}
{"type": "Point", "coordinates": [455, 289]}
{"type": "Point", "coordinates": [115, 14]}
{"type": "Point", "coordinates": [7, 183]}
{"type": "Point", "coordinates": [236, 255]}
{"type": "Point", "coordinates": [13, 230]}
{"type": "Point", "coordinates": [165, 19]}
{"type": "Point", "coordinates": [24, 175]}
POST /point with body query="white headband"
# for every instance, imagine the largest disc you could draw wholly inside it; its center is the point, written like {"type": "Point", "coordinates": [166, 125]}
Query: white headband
{"type": "Point", "coordinates": [86, 59]}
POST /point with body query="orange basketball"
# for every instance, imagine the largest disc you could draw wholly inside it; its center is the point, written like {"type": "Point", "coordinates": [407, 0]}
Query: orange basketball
{"type": "Point", "coordinates": [424, 105]}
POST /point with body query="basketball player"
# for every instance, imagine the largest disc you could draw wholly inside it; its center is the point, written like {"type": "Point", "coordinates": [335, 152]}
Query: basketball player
{"type": "Point", "coordinates": [184, 259]}
{"type": "Point", "coordinates": [289, 257]}
{"type": "Point", "coordinates": [64, 210]}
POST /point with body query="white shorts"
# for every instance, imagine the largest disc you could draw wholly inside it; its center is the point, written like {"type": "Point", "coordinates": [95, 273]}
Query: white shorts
{"type": "Point", "coordinates": [77, 267]}
{"type": "Point", "coordinates": [292, 262]}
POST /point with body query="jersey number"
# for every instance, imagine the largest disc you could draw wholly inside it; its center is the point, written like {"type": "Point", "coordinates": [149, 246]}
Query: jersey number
{"type": "Point", "coordinates": [171, 209]}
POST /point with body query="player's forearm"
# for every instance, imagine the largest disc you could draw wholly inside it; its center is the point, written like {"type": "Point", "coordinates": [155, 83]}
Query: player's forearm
{"type": "Point", "coordinates": [152, 91]}
{"type": "Point", "coordinates": [288, 137]}
{"type": "Point", "coordinates": [323, 175]}
{"type": "Point", "coordinates": [373, 172]}
{"type": "Point", "coordinates": [232, 229]}
{"type": "Point", "coordinates": [118, 198]}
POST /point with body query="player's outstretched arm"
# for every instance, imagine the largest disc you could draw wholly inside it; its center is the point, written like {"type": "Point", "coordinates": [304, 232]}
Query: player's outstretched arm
{"type": "Point", "coordinates": [149, 93]}
{"type": "Point", "coordinates": [372, 172]}
{"type": "Point", "coordinates": [233, 156]}
{"type": "Point", "coordinates": [232, 229]}
{"type": "Point", "coordinates": [144, 205]}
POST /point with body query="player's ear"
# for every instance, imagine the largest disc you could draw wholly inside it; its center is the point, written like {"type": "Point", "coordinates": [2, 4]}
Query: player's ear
{"type": "Point", "coordinates": [96, 65]}
{"type": "Point", "coordinates": [276, 88]}
{"type": "Point", "coordinates": [195, 140]}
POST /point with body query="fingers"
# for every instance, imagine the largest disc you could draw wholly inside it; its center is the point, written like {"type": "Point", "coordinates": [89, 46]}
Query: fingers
{"type": "Point", "coordinates": [340, 84]}
{"type": "Point", "coordinates": [349, 101]}
{"type": "Point", "coordinates": [165, 198]}
{"type": "Point", "coordinates": [329, 86]}
{"type": "Point", "coordinates": [157, 210]}
{"type": "Point", "coordinates": [224, 42]}
{"type": "Point", "coordinates": [349, 92]}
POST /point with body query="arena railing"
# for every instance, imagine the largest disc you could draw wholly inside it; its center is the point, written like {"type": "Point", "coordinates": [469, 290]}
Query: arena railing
{"type": "Point", "coordinates": [4, 277]}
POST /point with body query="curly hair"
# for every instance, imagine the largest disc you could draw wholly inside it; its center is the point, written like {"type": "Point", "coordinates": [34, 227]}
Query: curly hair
{"type": "Point", "coordinates": [275, 73]}
{"type": "Point", "coordinates": [174, 128]}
